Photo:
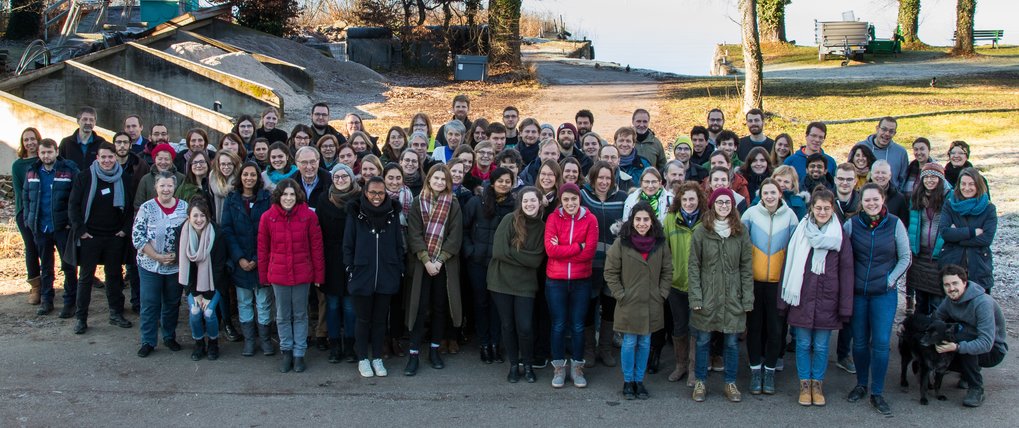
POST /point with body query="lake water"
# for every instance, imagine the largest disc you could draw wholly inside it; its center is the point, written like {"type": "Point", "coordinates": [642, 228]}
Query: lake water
{"type": "Point", "coordinates": [679, 36]}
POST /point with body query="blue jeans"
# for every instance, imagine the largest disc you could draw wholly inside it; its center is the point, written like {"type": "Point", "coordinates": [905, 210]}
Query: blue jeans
{"type": "Point", "coordinates": [252, 302]}
{"type": "Point", "coordinates": [730, 352]}
{"type": "Point", "coordinates": [197, 315]}
{"type": "Point", "coordinates": [872, 328]}
{"type": "Point", "coordinates": [334, 315]}
{"type": "Point", "coordinates": [160, 299]}
{"type": "Point", "coordinates": [633, 356]}
{"type": "Point", "coordinates": [44, 243]}
{"type": "Point", "coordinates": [811, 366]}
{"type": "Point", "coordinates": [292, 317]}
{"type": "Point", "coordinates": [567, 302]}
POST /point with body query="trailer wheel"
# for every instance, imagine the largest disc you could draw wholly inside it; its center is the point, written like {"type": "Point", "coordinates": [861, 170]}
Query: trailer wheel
{"type": "Point", "coordinates": [845, 63]}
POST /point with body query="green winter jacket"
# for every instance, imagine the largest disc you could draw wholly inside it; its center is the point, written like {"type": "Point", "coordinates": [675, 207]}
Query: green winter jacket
{"type": "Point", "coordinates": [513, 271]}
{"type": "Point", "coordinates": [639, 286]}
{"type": "Point", "coordinates": [679, 237]}
{"type": "Point", "coordinates": [721, 281]}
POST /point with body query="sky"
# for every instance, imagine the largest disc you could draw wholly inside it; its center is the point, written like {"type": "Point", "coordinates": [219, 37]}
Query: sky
{"type": "Point", "coordinates": [679, 36]}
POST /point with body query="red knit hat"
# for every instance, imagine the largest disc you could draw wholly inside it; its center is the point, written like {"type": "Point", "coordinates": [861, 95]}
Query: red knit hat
{"type": "Point", "coordinates": [719, 193]}
{"type": "Point", "coordinates": [164, 148]}
{"type": "Point", "coordinates": [569, 188]}
{"type": "Point", "coordinates": [569, 126]}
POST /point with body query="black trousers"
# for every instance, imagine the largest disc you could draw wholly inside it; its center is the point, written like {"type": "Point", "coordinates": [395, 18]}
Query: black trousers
{"type": "Point", "coordinates": [969, 366]}
{"type": "Point", "coordinates": [434, 299]}
{"type": "Point", "coordinates": [516, 315]}
{"type": "Point", "coordinates": [542, 320]}
{"type": "Point", "coordinates": [109, 252]}
{"type": "Point", "coordinates": [679, 304]}
{"type": "Point", "coordinates": [764, 336]}
{"type": "Point", "coordinates": [370, 327]}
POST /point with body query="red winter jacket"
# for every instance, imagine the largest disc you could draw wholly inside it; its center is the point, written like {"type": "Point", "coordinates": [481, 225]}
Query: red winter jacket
{"type": "Point", "coordinates": [567, 260]}
{"type": "Point", "coordinates": [290, 247]}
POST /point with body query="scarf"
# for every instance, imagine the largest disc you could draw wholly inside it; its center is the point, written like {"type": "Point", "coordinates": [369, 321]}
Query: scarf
{"type": "Point", "coordinates": [483, 176]}
{"type": "Point", "coordinates": [376, 215]}
{"type": "Point", "coordinates": [653, 200]}
{"type": "Point", "coordinates": [412, 180]}
{"type": "Point", "coordinates": [107, 177]}
{"type": "Point", "coordinates": [808, 235]}
{"type": "Point", "coordinates": [626, 161]}
{"type": "Point", "coordinates": [406, 199]}
{"type": "Point", "coordinates": [276, 176]}
{"type": "Point", "coordinates": [196, 249]}
{"type": "Point", "coordinates": [971, 206]}
{"type": "Point", "coordinates": [722, 228]}
{"type": "Point", "coordinates": [952, 172]}
{"type": "Point", "coordinates": [220, 188]}
{"type": "Point", "coordinates": [434, 212]}
{"type": "Point", "coordinates": [690, 219]}
{"type": "Point", "coordinates": [339, 198]}
{"type": "Point", "coordinates": [874, 220]}
{"type": "Point", "coordinates": [643, 244]}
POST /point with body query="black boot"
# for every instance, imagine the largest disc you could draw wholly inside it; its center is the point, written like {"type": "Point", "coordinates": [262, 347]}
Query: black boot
{"type": "Point", "coordinates": [118, 320]}
{"type": "Point", "coordinates": [486, 354]}
{"type": "Point", "coordinates": [334, 351]}
{"type": "Point", "coordinates": [230, 331]}
{"type": "Point", "coordinates": [299, 366]}
{"type": "Point", "coordinates": [497, 354]}
{"type": "Point", "coordinates": [199, 351]}
{"type": "Point", "coordinates": [435, 358]}
{"type": "Point", "coordinates": [288, 361]}
{"type": "Point", "coordinates": [412, 365]}
{"type": "Point", "coordinates": [264, 340]}
{"type": "Point", "coordinates": [348, 350]}
{"type": "Point", "coordinates": [529, 374]}
{"type": "Point", "coordinates": [514, 374]}
{"type": "Point", "coordinates": [213, 349]}
{"type": "Point", "coordinates": [45, 308]}
{"type": "Point", "coordinates": [653, 359]}
{"type": "Point", "coordinates": [249, 338]}
{"type": "Point", "coordinates": [322, 343]}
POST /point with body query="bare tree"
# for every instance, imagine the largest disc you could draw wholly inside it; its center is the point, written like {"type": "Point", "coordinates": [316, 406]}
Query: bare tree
{"type": "Point", "coordinates": [504, 23]}
{"type": "Point", "coordinates": [753, 62]}
{"type": "Point", "coordinates": [909, 22]}
{"type": "Point", "coordinates": [771, 18]}
{"type": "Point", "coordinates": [965, 9]}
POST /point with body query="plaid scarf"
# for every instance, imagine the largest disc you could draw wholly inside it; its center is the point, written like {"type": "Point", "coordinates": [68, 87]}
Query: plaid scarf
{"type": "Point", "coordinates": [434, 212]}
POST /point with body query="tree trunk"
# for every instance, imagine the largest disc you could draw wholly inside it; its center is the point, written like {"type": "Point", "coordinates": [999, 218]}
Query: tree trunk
{"type": "Point", "coordinates": [909, 22]}
{"type": "Point", "coordinates": [771, 16]}
{"type": "Point", "coordinates": [965, 9]}
{"type": "Point", "coordinates": [753, 63]}
{"type": "Point", "coordinates": [504, 24]}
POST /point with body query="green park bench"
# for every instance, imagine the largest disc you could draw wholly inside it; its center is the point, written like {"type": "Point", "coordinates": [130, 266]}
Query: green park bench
{"type": "Point", "coordinates": [992, 35]}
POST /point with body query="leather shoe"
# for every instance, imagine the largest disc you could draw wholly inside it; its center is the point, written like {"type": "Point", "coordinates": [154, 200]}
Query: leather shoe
{"type": "Point", "coordinates": [857, 393]}
{"type": "Point", "coordinates": [412, 365]}
{"type": "Point", "coordinates": [486, 354]}
{"type": "Point", "coordinates": [299, 366]}
{"type": "Point", "coordinates": [435, 359]}
{"type": "Point", "coordinates": [172, 344]}
{"type": "Point", "coordinates": [231, 332]}
{"type": "Point", "coordinates": [529, 374]}
{"type": "Point", "coordinates": [119, 321]}
{"type": "Point", "coordinates": [67, 311]}
{"type": "Point", "coordinates": [514, 374]}
{"type": "Point", "coordinates": [145, 350]}
{"type": "Point", "coordinates": [45, 308]}
{"type": "Point", "coordinates": [497, 354]}
{"type": "Point", "coordinates": [80, 327]}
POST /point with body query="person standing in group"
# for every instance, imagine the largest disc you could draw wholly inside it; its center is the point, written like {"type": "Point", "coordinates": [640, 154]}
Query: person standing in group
{"type": "Point", "coordinates": [162, 161]}
{"type": "Point", "coordinates": [770, 224]}
{"type": "Point", "coordinates": [721, 287]}
{"type": "Point", "coordinates": [881, 256]}
{"type": "Point", "coordinates": [201, 268]}
{"type": "Point", "coordinates": [921, 157]}
{"type": "Point", "coordinates": [969, 222]}
{"type": "Point", "coordinates": [482, 216]}
{"type": "Point", "coordinates": [434, 238]}
{"type": "Point", "coordinates": [817, 291]}
{"type": "Point", "coordinates": [684, 216]}
{"type": "Point", "coordinates": [242, 211]}
{"type": "Point", "coordinates": [958, 160]}
{"type": "Point", "coordinates": [196, 178]}
{"type": "Point", "coordinates": [881, 174]}
{"type": "Point", "coordinates": [517, 253]}
{"type": "Point", "coordinates": [154, 236]}
{"type": "Point", "coordinates": [82, 147]}
{"type": "Point", "coordinates": [638, 270]}
{"type": "Point", "coordinates": [281, 166]}
{"type": "Point", "coordinates": [571, 240]}
{"type": "Point", "coordinates": [268, 130]}
{"type": "Point", "coordinates": [339, 304]}
{"type": "Point", "coordinates": [100, 211]}
{"type": "Point", "coordinates": [373, 252]}
{"type": "Point", "coordinates": [601, 197]}
{"type": "Point", "coordinates": [27, 157]}
{"type": "Point", "coordinates": [925, 241]}
{"type": "Point", "coordinates": [44, 197]}
{"type": "Point", "coordinates": [290, 258]}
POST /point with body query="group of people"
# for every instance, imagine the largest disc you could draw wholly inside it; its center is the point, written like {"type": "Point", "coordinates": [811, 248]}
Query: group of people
{"type": "Point", "coordinates": [546, 242]}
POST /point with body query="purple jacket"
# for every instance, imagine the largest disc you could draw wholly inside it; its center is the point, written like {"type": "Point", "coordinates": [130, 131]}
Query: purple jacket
{"type": "Point", "coordinates": [826, 301]}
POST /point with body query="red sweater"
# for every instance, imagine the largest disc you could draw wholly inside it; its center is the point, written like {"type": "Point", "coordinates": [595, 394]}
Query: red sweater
{"type": "Point", "coordinates": [567, 260]}
{"type": "Point", "coordinates": [290, 247]}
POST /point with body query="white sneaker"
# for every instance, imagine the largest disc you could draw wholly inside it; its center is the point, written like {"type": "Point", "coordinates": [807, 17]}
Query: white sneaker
{"type": "Point", "coordinates": [380, 370]}
{"type": "Point", "coordinates": [365, 368]}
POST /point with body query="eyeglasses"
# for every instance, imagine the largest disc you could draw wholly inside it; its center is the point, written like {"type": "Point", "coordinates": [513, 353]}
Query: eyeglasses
{"type": "Point", "coordinates": [308, 162]}
{"type": "Point", "coordinates": [888, 130]}
{"type": "Point", "coordinates": [486, 154]}
{"type": "Point", "coordinates": [119, 141]}
{"type": "Point", "coordinates": [376, 193]}
{"type": "Point", "coordinates": [650, 182]}
{"type": "Point", "coordinates": [723, 202]}
{"type": "Point", "coordinates": [341, 177]}
{"type": "Point", "coordinates": [303, 138]}
{"type": "Point", "coordinates": [199, 162]}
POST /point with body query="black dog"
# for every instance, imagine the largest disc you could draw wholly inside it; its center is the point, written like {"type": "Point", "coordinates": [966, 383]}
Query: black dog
{"type": "Point", "coordinates": [920, 334]}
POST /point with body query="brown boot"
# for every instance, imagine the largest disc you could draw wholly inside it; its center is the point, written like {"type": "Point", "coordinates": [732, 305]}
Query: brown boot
{"type": "Point", "coordinates": [606, 352]}
{"type": "Point", "coordinates": [691, 355]}
{"type": "Point", "coordinates": [816, 393]}
{"type": "Point", "coordinates": [589, 355]}
{"type": "Point", "coordinates": [33, 294]}
{"type": "Point", "coordinates": [679, 346]}
{"type": "Point", "coordinates": [805, 399]}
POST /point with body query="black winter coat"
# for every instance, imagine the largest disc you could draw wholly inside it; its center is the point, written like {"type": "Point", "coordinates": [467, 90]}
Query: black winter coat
{"type": "Point", "coordinates": [962, 245]}
{"type": "Point", "coordinates": [333, 221]}
{"type": "Point", "coordinates": [69, 149]}
{"type": "Point", "coordinates": [239, 225]}
{"type": "Point", "coordinates": [219, 257]}
{"type": "Point", "coordinates": [479, 229]}
{"type": "Point", "coordinates": [374, 258]}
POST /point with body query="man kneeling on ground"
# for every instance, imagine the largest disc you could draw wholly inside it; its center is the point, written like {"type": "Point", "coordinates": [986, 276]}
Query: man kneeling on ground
{"type": "Point", "coordinates": [981, 339]}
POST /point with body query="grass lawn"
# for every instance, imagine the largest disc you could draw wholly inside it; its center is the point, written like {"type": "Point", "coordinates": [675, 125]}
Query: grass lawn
{"type": "Point", "coordinates": [792, 105]}
{"type": "Point", "coordinates": [784, 55]}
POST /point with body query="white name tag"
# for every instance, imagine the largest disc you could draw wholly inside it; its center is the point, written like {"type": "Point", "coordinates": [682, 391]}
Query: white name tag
{"type": "Point", "coordinates": [105, 192]}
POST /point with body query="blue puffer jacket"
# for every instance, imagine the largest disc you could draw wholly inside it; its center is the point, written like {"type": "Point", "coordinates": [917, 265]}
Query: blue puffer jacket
{"type": "Point", "coordinates": [959, 222]}
{"type": "Point", "coordinates": [240, 228]}
{"type": "Point", "coordinates": [63, 180]}
{"type": "Point", "coordinates": [915, 234]}
{"type": "Point", "coordinates": [880, 254]}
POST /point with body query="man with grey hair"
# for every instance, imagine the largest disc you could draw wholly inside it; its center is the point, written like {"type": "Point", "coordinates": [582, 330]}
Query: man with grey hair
{"type": "Point", "coordinates": [314, 180]}
{"type": "Point", "coordinates": [454, 132]}
{"type": "Point", "coordinates": [674, 173]}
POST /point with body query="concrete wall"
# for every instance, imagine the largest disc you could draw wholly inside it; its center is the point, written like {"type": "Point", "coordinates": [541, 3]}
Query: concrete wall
{"type": "Point", "coordinates": [17, 114]}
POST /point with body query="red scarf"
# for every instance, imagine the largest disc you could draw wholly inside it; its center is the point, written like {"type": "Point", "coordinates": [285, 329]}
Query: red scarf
{"type": "Point", "coordinates": [476, 172]}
